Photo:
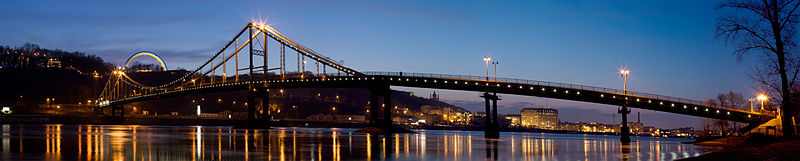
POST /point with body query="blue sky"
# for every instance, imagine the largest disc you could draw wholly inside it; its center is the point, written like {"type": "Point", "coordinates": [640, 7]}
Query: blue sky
{"type": "Point", "coordinates": [669, 45]}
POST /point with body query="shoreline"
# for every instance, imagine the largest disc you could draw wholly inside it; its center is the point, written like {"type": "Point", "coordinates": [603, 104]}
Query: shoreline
{"type": "Point", "coordinates": [777, 150]}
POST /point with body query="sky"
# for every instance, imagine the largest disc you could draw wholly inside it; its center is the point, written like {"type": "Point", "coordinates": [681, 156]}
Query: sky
{"type": "Point", "coordinates": [669, 46]}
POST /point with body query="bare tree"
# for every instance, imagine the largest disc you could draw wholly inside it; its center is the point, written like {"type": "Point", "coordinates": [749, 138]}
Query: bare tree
{"type": "Point", "coordinates": [715, 127]}
{"type": "Point", "coordinates": [766, 27]}
{"type": "Point", "coordinates": [726, 100]}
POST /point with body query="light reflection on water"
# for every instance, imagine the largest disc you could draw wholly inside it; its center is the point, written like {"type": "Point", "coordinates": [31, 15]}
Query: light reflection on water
{"type": "Point", "coordinates": [137, 142]}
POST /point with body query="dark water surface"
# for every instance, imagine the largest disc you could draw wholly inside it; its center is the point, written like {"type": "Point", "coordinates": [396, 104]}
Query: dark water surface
{"type": "Point", "coordinates": [139, 142]}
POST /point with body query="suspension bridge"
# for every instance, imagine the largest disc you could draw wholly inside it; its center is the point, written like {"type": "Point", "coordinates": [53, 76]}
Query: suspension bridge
{"type": "Point", "coordinates": [250, 47]}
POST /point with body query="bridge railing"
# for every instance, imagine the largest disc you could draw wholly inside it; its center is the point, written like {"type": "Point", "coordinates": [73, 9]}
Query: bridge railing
{"type": "Point", "coordinates": [533, 82]}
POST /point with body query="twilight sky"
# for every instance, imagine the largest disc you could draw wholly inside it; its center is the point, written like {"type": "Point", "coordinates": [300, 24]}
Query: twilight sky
{"type": "Point", "coordinates": [669, 46]}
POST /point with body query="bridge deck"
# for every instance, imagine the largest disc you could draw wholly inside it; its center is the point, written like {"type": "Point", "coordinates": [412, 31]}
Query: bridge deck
{"type": "Point", "coordinates": [478, 83]}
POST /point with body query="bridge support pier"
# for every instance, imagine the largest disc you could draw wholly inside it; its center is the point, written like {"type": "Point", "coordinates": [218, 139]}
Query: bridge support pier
{"type": "Point", "coordinates": [491, 127]}
{"type": "Point", "coordinates": [384, 123]}
{"type": "Point", "coordinates": [262, 121]}
{"type": "Point", "coordinates": [387, 110]}
{"type": "Point", "coordinates": [266, 115]}
{"type": "Point", "coordinates": [374, 107]}
{"type": "Point", "coordinates": [624, 131]}
{"type": "Point", "coordinates": [117, 114]}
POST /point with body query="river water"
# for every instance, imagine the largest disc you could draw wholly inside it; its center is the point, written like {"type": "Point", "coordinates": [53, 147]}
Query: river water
{"type": "Point", "coordinates": [140, 142]}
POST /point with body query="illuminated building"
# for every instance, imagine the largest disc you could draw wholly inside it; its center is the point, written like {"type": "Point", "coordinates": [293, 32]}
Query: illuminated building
{"type": "Point", "coordinates": [542, 118]}
{"type": "Point", "coordinates": [514, 119]}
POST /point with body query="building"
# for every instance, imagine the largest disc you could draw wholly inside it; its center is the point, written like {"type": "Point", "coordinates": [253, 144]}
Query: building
{"type": "Point", "coordinates": [543, 118]}
{"type": "Point", "coordinates": [437, 110]}
{"type": "Point", "coordinates": [53, 63]}
{"type": "Point", "coordinates": [513, 119]}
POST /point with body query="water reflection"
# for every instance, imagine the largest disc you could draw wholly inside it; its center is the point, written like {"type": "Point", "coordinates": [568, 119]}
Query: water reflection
{"type": "Point", "coordinates": [133, 142]}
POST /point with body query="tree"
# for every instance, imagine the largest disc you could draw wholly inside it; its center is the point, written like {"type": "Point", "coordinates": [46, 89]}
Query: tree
{"type": "Point", "coordinates": [730, 100]}
{"type": "Point", "coordinates": [766, 27]}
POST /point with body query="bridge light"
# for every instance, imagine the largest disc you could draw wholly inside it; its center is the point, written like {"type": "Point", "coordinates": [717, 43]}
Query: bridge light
{"type": "Point", "coordinates": [660, 103]}
{"type": "Point", "coordinates": [579, 92]}
{"type": "Point", "coordinates": [684, 106]}
{"type": "Point", "coordinates": [601, 95]}
{"type": "Point", "coordinates": [673, 105]}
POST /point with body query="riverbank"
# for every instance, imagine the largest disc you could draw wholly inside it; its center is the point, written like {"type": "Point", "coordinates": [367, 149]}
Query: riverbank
{"type": "Point", "coordinates": [781, 150]}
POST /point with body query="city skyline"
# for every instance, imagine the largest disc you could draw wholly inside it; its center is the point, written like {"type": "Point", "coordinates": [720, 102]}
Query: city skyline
{"type": "Point", "coordinates": [660, 41]}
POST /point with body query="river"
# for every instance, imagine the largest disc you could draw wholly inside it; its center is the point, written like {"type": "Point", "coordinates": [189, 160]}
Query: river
{"type": "Point", "coordinates": [146, 142]}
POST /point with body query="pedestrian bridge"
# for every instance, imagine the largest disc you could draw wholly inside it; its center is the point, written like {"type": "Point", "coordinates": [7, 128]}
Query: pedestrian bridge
{"type": "Point", "coordinates": [224, 71]}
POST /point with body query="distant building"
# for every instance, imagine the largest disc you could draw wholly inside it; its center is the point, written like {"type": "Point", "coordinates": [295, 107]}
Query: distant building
{"type": "Point", "coordinates": [228, 114]}
{"type": "Point", "coordinates": [53, 63]}
{"type": "Point", "coordinates": [543, 118]}
{"type": "Point", "coordinates": [434, 96]}
{"type": "Point", "coordinates": [514, 120]}
{"type": "Point", "coordinates": [437, 110]}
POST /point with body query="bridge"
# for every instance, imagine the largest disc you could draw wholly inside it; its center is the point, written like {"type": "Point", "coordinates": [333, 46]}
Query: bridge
{"type": "Point", "coordinates": [213, 76]}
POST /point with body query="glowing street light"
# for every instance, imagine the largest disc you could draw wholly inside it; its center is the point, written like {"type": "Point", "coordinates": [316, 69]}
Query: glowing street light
{"type": "Point", "coordinates": [762, 97]}
{"type": "Point", "coordinates": [487, 59]}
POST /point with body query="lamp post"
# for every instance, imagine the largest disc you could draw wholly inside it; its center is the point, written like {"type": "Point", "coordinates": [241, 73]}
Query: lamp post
{"type": "Point", "coordinates": [333, 110]}
{"type": "Point", "coordinates": [762, 97]}
{"type": "Point", "coordinates": [495, 69]}
{"type": "Point", "coordinates": [751, 103]}
{"type": "Point", "coordinates": [624, 130]}
{"type": "Point", "coordinates": [487, 59]}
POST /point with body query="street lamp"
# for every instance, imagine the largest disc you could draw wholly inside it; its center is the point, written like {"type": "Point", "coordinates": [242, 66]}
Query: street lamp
{"type": "Point", "coordinates": [762, 97]}
{"type": "Point", "coordinates": [495, 69]}
{"type": "Point", "coordinates": [624, 130]}
{"type": "Point", "coordinates": [751, 103]}
{"type": "Point", "coordinates": [487, 59]}
{"type": "Point", "coordinates": [334, 113]}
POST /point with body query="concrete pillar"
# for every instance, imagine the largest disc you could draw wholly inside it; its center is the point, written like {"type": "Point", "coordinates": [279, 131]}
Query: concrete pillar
{"type": "Point", "coordinates": [251, 108]}
{"type": "Point", "coordinates": [266, 116]}
{"type": "Point", "coordinates": [374, 107]}
{"type": "Point", "coordinates": [491, 128]}
{"type": "Point", "coordinates": [494, 110]}
{"type": "Point", "coordinates": [387, 110]}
